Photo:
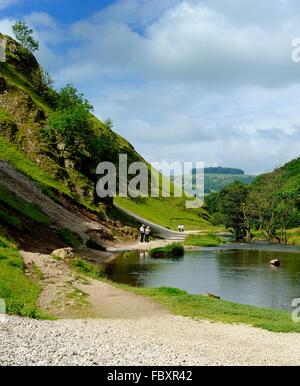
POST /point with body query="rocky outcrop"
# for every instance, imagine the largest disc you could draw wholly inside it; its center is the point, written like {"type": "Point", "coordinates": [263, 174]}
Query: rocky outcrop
{"type": "Point", "coordinates": [64, 253]}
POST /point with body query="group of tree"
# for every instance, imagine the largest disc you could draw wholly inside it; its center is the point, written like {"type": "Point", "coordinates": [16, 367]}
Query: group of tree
{"type": "Point", "coordinates": [268, 206]}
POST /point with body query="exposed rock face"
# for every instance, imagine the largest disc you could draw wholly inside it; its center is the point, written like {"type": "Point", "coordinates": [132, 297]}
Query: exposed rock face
{"type": "Point", "coordinates": [64, 253]}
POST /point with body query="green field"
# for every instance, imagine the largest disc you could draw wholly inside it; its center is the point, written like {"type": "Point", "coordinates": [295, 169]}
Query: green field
{"type": "Point", "coordinates": [209, 240]}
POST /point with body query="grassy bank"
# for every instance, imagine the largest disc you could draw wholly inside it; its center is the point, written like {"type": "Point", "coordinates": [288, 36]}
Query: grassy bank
{"type": "Point", "coordinates": [209, 240]}
{"type": "Point", "coordinates": [18, 291]}
{"type": "Point", "coordinates": [203, 307]}
{"type": "Point", "coordinates": [181, 303]}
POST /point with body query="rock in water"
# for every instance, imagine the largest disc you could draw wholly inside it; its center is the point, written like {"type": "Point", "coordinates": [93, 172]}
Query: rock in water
{"type": "Point", "coordinates": [64, 253]}
{"type": "Point", "coordinates": [275, 262]}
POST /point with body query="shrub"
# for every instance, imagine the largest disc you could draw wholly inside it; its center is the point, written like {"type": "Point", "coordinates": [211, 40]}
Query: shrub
{"type": "Point", "coordinates": [169, 251]}
{"type": "Point", "coordinates": [72, 239]}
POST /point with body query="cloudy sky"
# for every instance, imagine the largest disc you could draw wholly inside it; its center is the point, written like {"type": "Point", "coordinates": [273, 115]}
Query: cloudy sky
{"type": "Point", "coordinates": [186, 80]}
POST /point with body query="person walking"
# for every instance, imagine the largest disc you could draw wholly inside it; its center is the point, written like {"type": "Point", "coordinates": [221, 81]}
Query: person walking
{"type": "Point", "coordinates": [142, 232]}
{"type": "Point", "coordinates": [147, 234]}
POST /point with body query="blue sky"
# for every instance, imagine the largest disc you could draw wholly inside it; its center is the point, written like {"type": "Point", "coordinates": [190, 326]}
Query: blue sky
{"type": "Point", "coordinates": [183, 80]}
{"type": "Point", "coordinates": [64, 11]}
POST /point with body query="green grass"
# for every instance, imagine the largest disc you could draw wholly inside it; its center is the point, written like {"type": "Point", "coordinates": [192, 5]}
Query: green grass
{"type": "Point", "coordinates": [70, 238]}
{"type": "Point", "coordinates": [21, 162]}
{"type": "Point", "coordinates": [16, 78]}
{"type": "Point", "coordinates": [26, 209]}
{"type": "Point", "coordinates": [18, 291]}
{"type": "Point", "coordinates": [203, 307]}
{"type": "Point", "coordinates": [86, 268]}
{"type": "Point", "coordinates": [293, 236]}
{"type": "Point", "coordinates": [209, 240]}
{"type": "Point", "coordinates": [4, 115]}
{"type": "Point", "coordinates": [167, 212]}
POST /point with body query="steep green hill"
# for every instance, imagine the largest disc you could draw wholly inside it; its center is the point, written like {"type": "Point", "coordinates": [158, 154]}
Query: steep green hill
{"type": "Point", "coordinates": [24, 110]}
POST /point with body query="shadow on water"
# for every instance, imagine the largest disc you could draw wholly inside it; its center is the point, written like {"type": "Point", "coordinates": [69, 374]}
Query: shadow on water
{"type": "Point", "coordinates": [243, 276]}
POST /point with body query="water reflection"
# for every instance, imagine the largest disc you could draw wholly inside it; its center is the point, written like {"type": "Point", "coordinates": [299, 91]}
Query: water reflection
{"type": "Point", "coordinates": [238, 275]}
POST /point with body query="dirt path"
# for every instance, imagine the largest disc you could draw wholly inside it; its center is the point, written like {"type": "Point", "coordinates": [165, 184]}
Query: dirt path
{"type": "Point", "coordinates": [137, 246]}
{"type": "Point", "coordinates": [66, 294]}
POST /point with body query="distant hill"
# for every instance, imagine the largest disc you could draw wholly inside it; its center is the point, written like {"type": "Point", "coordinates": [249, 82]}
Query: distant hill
{"type": "Point", "coordinates": [221, 170]}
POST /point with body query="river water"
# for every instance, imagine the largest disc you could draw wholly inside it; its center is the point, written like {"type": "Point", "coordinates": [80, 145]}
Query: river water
{"type": "Point", "coordinates": [239, 275]}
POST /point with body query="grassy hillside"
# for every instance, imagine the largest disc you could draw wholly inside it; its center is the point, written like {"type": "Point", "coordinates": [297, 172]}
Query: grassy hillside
{"type": "Point", "coordinates": [26, 101]}
{"type": "Point", "coordinates": [167, 212]}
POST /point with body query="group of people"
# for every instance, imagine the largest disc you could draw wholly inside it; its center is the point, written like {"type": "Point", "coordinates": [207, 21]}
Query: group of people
{"type": "Point", "coordinates": [181, 228]}
{"type": "Point", "coordinates": [145, 233]}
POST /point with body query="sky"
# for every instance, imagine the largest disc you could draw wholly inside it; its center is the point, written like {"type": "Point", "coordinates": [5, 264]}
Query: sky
{"type": "Point", "coordinates": [182, 80]}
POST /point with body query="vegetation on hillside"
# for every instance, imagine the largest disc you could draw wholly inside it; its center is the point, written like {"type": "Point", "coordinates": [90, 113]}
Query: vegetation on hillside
{"type": "Point", "coordinates": [24, 36]}
{"type": "Point", "coordinates": [216, 182]}
{"type": "Point", "coordinates": [168, 213]}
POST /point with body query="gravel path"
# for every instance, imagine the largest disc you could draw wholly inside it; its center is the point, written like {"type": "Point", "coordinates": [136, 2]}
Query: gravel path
{"type": "Point", "coordinates": [163, 340]}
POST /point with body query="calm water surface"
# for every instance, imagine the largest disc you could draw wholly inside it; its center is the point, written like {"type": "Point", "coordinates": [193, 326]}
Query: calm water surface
{"type": "Point", "coordinates": [243, 276]}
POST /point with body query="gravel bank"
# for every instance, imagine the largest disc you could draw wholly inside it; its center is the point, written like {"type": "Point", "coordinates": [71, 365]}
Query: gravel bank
{"type": "Point", "coordinates": [163, 340]}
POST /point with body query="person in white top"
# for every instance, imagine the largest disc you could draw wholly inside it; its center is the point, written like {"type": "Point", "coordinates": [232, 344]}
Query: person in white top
{"type": "Point", "coordinates": [142, 232]}
{"type": "Point", "coordinates": [147, 234]}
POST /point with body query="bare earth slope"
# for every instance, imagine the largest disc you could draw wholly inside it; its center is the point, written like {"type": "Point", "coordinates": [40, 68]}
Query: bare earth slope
{"type": "Point", "coordinates": [29, 192]}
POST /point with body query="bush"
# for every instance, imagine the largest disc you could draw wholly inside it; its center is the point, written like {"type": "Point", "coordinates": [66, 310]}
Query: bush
{"type": "Point", "coordinates": [70, 238]}
{"type": "Point", "coordinates": [169, 251]}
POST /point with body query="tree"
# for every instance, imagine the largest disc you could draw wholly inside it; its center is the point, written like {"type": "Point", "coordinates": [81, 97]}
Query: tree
{"type": "Point", "coordinates": [69, 127]}
{"type": "Point", "coordinates": [109, 124]}
{"type": "Point", "coordinates": [232, 204]}
{"type": "Point", "coordinates": [24, 35]}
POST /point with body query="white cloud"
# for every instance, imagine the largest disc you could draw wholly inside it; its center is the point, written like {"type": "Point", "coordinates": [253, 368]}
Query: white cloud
{"type": "Point", "coordinates": [187, 80]}
{"type": "Point", "coordinates": [6, 26]}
